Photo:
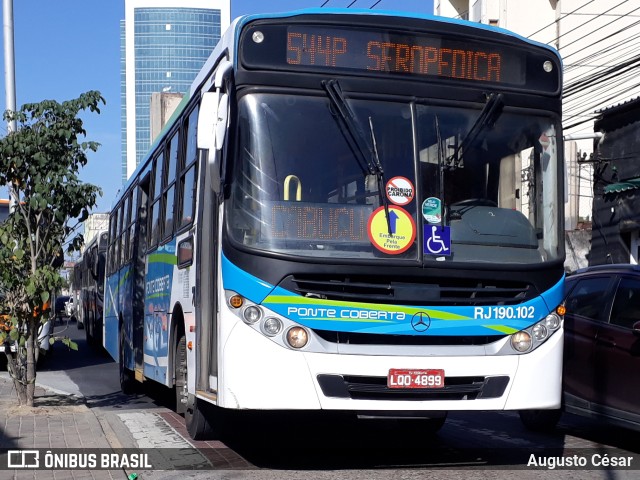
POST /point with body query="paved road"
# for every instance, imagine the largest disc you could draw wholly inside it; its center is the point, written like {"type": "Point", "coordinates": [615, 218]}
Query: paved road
{"type": "Point", "coordinates": [302, 444]}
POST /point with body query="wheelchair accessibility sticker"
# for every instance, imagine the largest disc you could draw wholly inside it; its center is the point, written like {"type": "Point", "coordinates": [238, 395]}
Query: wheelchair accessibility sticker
{"type": "Point", "coordinates": [401, 224]}
{"type": "Point", "coordinates": [437, 240]}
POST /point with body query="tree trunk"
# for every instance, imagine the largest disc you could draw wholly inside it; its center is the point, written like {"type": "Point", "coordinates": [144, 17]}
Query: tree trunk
{"type": "Point", "coordinates": [32, 344]}
{"type": "Point", "coordinates": [13, 362]}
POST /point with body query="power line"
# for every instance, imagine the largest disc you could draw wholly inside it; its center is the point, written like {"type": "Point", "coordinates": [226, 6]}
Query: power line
{"type": "Point", "coordinates": [566, 127]}
{"type": "Point", "coordinates": [561, 17]}
{"type": "Point", "coordinates": [588, 21]}
{"type": "Point", "coordinates": [371, 7]}
{"type": "Point", "coordinates": [603, 38]}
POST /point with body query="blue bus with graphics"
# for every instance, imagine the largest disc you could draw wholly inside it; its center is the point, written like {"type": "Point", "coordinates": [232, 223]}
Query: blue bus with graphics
{"type": "Point", "coordinates": [357, 212]}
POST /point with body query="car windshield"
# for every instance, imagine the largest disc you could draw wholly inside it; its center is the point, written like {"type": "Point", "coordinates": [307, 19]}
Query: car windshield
{"type": "Point", "coordinates": [459, 184]}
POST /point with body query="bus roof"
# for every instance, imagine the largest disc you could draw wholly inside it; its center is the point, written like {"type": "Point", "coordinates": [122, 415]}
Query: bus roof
{"type": "Point", "coordinates": [392, 13]}
{"type": "Point", "coordinates": [229, 42]}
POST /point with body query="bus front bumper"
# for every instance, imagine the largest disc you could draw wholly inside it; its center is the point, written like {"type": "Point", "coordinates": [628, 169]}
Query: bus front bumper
{"type": "Point", "coordinates": [258, 374]}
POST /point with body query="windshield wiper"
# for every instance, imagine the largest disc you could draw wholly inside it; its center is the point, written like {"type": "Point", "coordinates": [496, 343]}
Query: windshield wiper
{"type": "Point", "coordinates": [368, 151]}
{"type": "Point", "coordinates": [441, 161]}
{"type": "Point", "coordinates": [488, 116]}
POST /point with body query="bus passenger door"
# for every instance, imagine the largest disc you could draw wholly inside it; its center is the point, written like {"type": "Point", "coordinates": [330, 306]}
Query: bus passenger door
{"type": "Point", "coordinates": [138, 272]}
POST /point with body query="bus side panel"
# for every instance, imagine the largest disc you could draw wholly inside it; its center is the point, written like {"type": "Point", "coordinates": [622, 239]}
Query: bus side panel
{"type": "Point", "coordinates": [110, 334]}
{"type": "Point", "coordinates": [182, 288]}
{"type": "Point", "coordinates": [125, 311]}
{"type": "Point", "coordinates": [158, 281]}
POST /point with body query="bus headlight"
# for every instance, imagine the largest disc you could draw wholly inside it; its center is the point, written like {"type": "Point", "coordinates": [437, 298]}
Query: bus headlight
{"type": "Point", "coordinates": [539, 332]}
{"type": "Point", "coordinates": [272, 326]}
{"type": "Point", "coordinates": [521, 341]}
{"type": "Point", "coordinates": [297, 337]}
{"type": "Point", "coordinates": [552, 321]}
{"type": "Point", "coordinates": [251, 314]}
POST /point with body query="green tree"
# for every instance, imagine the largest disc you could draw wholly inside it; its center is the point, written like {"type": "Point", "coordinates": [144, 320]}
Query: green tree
{"type": "Point", "coordinates": [41, 162]}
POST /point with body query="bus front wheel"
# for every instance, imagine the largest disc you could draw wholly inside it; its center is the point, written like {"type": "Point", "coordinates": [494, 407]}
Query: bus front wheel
{"type": "Point", "coordinates": [198, 414]}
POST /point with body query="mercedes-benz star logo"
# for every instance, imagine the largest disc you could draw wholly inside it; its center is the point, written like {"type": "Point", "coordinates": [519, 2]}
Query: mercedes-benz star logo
{"type": "Point", "coordinates": [421, 322]}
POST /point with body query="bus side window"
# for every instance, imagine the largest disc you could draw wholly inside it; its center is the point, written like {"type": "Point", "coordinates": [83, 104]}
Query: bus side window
{"type": "Point", "coordinates": [156, 205]}
{"type": "Point", "coordinates": [186, 193]}
{"type": "Point", "coordinates": [169, 188]}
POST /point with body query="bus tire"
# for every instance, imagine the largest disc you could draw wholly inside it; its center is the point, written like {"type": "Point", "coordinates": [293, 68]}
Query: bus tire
{"type": "Point", "coordinates": [87, 334]}
{"type": "Point", "coordinates": [198, 414]}
{"type": "Point", "coordinates": [180, 375]}
{"type": "Point", "coordinates": [127, 382]}
{"type": "Point", "coordinates": [198, 419]}
{"type": "Point", "coordinates": [540, 420]}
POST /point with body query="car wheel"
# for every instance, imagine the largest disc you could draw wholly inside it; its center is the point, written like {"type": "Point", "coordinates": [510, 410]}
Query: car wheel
{"type": "Point", "coordinates": [540, 420]}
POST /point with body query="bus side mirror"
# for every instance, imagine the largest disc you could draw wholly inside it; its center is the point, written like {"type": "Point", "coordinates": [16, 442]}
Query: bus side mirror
{"type": "Point", "coordinates": [206, 120]}
{"type": "Point", "coordinates": [222, 121]}
{"type": "Point", "coordinates": [213, 119]}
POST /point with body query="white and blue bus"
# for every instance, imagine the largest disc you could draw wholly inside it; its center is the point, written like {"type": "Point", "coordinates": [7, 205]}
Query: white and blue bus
{"type": "Point", "coordinates": [90, 295]}
{"type": "Point", "coordinates": [350, 211]}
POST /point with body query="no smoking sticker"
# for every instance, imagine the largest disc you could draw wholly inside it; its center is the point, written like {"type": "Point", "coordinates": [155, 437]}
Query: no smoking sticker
{"type": "Point", "coordinates": [401, 224]}
{"type": "Point", "coordinates": [400, 191]}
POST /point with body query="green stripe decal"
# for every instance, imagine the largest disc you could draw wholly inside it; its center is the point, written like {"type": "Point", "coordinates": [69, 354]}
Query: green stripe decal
{"type": "Point", "coordinates": [502, 329]}
{"type": "Point", "coordinates": [166, 258]}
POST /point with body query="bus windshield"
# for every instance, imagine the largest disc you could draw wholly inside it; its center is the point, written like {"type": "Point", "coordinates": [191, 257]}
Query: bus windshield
{"type": "Point", "coordinates": [484, 179]}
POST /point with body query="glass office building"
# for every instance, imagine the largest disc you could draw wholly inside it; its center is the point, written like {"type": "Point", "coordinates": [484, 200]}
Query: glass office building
{"type": "Point", "coordinates": [164, 43]}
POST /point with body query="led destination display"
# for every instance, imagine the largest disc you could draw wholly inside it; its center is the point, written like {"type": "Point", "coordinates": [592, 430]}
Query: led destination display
{"type": "Point", "coordinates": [435, 54]}
{"type": "Point", "coordinates": [318, 222]}
{"type": "Point", "coordinates": [427, 55]}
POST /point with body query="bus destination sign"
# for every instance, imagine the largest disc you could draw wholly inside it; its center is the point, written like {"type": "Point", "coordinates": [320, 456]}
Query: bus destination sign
{"type": "Point", "coordinates": [317, 222]}
{"type": "Point", "coordinates": [403, 54]}
{"type": "Point", "coordinates": [442, 56]}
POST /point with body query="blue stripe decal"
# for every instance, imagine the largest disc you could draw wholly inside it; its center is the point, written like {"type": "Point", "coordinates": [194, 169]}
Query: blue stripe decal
{"type": "Point", "coordinates": [236, 279]}
{"type": "Point", "coordinates": [339, 316]}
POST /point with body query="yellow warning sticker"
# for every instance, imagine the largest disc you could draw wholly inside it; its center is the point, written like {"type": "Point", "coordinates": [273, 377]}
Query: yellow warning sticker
{"type": "Point", "coordinates": [393, 235]}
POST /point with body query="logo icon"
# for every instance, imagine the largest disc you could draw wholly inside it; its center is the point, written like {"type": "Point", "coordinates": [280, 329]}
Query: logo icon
{"type": "Point", "coordinates": [437, 240]}
{"type": "Point", "coordinates": [421, 322]}
{"type": "Point", "coordinates": [23, 459]}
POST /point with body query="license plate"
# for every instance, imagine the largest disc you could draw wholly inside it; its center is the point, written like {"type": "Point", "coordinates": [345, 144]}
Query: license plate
{"type": "Point", "coordinates": [399, 378]}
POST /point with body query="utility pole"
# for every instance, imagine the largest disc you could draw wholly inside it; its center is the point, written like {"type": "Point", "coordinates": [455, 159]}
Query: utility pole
{"type": "Point", "coordinates": [9, 73]}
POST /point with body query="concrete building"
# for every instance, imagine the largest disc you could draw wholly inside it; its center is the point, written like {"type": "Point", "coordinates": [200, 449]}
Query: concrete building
{"type": "Point", "coordinates": [162, 107]}
{"type": "Point", "coordinates": [94, 224]}
{"type": "Point", "coordinates": [598, 41]}
{"type": "Point", "coordinates": [164, 43]}
{"type": "Point", "coordinates": [616, 204]}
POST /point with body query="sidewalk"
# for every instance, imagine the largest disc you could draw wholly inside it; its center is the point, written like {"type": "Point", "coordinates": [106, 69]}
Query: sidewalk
{"type": "Point", "coordinates": [64, 421]}
{"type": "Point", "coordinates": [57, 421]}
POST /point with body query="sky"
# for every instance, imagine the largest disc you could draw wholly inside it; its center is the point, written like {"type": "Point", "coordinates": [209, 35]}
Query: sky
{"type": "Point", "coordinates": [66, 47]}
